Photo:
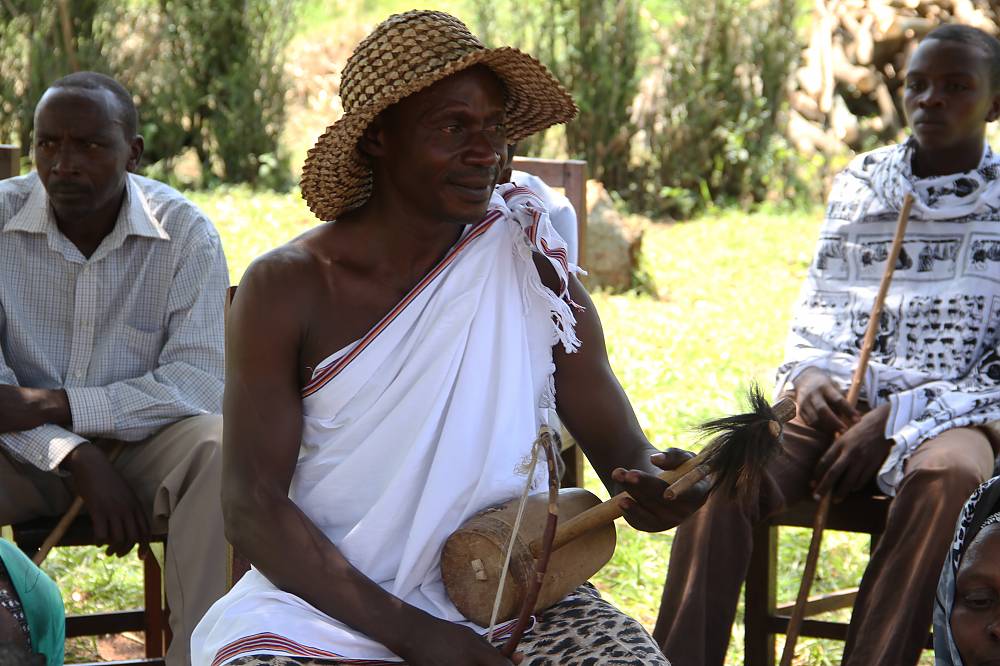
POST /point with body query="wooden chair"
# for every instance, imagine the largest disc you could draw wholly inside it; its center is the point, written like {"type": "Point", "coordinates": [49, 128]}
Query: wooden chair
{"type": "Point", "coordinates": [152, 619]}
{"type": "Point", "coordinates": [10, 161]}
{"type": "Point", "coordinates": [764, 617]}
{"type": "Point", "coordinates": [571, 177]}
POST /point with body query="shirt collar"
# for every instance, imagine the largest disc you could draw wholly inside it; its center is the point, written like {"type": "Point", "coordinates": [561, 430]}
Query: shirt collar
{"type": "Point", "coordinates": [134, 219]}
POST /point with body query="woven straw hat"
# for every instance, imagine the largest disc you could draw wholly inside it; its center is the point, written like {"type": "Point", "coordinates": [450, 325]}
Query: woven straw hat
{"type": "Point", "coordinates": [403, 55]}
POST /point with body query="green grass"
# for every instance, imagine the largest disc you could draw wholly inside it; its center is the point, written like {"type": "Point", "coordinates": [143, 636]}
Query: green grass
{"type": "Point", "coordinates": [725, 286]}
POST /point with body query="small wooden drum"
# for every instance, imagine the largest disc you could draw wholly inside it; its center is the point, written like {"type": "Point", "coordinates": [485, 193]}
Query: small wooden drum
{"type": "Point", "coordinates": [473, 556]}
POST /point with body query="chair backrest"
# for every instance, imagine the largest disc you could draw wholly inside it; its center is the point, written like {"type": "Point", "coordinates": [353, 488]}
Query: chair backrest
{"type": "Point", "coordinates": [10, 161]}
{"type": "Point", "coordinates": [571, 176]}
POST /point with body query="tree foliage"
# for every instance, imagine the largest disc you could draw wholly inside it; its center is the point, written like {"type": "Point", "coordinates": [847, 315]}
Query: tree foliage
{"type": "Point", "coordinates": [592, 47]}
{"type": "Point", "coordinates": [206, 74]}
{"type": "Point", "coordinates": [712, 109]}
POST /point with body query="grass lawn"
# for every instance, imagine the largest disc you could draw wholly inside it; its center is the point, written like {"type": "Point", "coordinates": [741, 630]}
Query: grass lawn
{"type": "Point", "coordinates": [726, 284]}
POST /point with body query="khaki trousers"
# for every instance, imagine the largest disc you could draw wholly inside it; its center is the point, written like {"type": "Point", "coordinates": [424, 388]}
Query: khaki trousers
{"type": "Point", "coordinates": [176, 474]}
{"type": "Point", "coordinates": [892, 615]}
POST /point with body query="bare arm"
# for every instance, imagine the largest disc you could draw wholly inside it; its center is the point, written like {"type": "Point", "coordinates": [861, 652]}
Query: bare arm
{"type": "Point", "coordinates": [595, 409]}
{"type": "Point", "coordinates": [263, 416]}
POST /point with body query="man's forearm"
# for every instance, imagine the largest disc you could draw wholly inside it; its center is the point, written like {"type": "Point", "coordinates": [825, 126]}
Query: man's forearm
{"type": "Point", "coordinates": [27, 408]}
{"type": "Point", "coordinates": [285, 545]}
{"type": "Point", "coordinates": [628, 453]}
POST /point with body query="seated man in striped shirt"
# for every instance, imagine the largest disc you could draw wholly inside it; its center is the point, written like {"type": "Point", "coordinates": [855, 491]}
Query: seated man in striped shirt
{"type": "Point", "coordinates": [112, 289]}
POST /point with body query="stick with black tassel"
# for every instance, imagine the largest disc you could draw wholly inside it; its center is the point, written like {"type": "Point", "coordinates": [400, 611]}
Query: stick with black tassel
{"type": "Point", "coordinates": [736, 458]}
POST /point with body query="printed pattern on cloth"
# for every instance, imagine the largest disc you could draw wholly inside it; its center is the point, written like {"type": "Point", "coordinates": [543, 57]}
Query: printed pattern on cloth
{"type": "Point", "coordinates": [935, 358]}
{"type": "Point", "coordinates": [581, 630]}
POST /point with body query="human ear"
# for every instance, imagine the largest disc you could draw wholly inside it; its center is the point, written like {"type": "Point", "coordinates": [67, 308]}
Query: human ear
{"type": "Point", "coordinates": [372, 141]}
{"type": "Point", "coordinates": [135, 149]}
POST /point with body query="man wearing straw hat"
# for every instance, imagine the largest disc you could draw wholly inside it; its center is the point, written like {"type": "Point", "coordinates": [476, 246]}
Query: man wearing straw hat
{"type": "Point", "coordinates": [931, 388]}
{"type": "Point", "coordinates": [388, 374]}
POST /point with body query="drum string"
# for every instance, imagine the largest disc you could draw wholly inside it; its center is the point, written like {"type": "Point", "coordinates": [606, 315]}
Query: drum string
{"type": "Point", "coordinates": [515, 529]}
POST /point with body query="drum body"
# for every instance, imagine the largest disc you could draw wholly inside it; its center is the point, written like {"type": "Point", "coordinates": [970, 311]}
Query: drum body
{"type": "Point", "coordinates": [473, 556]}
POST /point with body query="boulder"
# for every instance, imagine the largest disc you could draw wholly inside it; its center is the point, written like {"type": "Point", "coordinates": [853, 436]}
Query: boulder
{"type": "Point", "coordinates": [613, 242]}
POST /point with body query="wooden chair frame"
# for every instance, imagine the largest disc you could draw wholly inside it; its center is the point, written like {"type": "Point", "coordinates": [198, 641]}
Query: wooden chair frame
{"type": "Point", "coordinates": [10, 161]}
{"type": "Point", "coordinates": [151, 619]}
{"type": "Point", "coordinates": [764, 617]}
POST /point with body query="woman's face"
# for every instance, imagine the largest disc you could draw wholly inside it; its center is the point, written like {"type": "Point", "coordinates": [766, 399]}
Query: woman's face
{"type": "Point", "coordinates": [975, 619]}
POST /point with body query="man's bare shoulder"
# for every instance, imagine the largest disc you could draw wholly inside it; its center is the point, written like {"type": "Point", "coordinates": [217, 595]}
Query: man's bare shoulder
{"type": "Point", "coordinates": [289, 274]}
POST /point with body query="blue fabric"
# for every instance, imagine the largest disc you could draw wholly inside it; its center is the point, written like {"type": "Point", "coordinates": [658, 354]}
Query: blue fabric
{"type": "Point", "coordinates": [41, 600]}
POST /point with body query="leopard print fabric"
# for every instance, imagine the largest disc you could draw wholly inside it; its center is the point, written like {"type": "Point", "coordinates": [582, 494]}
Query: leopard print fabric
{"type": "Point", "coordinates": [581, 630]}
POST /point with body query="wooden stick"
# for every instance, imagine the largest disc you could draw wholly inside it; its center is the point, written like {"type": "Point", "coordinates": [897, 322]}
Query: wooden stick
{"type": "Point", "coordinates": [823, 512]}
{"type": "Point", "coordinates": [681, 479]}
{"type": "Point", "coordinates": [59, 531]}
{"type": "Point", "coordinates": [610, 510]}
{"type": "Point", "coordinates": [542, 561]}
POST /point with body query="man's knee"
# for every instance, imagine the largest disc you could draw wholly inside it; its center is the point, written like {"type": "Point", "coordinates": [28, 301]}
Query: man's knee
{"type": "Point", "coordinates": [943, 479]}
{"type": "Point", "coordinates": [201, 438]}
{"type": "Point", "coordinates": [190, 453]}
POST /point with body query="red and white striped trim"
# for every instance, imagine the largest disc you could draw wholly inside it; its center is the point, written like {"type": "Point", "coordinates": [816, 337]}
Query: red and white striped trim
{"type": "Point", "coordinates": [267, 643]}
{"type": "Point", "coordinates": [327, 373]}
{"type": "Point", "coordinates": [270, 643]}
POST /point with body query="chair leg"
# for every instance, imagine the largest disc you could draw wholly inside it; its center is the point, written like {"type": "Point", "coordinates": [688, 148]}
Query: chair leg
{"type": "Point", "coordinates": [760, 602]}
{"type": "Point", "coordinates": [573, 460]}
{"type": "Point", "coordinates": [153, 617]}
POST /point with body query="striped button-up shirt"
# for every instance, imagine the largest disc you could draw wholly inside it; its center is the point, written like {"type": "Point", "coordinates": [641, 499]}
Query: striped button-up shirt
{"type": "Point", "coordinates": [134, 333]}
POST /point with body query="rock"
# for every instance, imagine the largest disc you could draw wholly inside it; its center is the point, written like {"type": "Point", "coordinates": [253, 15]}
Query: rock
{"type": "Point", "coordinates": [613, 242]}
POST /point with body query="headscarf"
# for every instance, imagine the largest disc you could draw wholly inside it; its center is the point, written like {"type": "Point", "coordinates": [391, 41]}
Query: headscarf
{"type": "Point", "coordinates": [982, 509]}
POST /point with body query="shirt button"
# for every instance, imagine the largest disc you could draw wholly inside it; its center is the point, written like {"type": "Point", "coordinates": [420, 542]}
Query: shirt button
{"type": "Point", "coordinates": [78, 374]}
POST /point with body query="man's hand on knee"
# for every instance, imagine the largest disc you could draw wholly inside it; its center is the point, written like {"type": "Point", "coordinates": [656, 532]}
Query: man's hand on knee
{"type": "Point", "coordinates": [854, 457]}
{"type": "Point", "coordinates": [118, 517]}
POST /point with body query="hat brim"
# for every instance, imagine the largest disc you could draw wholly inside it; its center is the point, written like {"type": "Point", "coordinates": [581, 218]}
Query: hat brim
{"type": "Point", "coordinates": [336, 178]}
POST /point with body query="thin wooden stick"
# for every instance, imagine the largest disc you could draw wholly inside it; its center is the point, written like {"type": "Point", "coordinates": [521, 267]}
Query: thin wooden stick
{"type": "Point", "coordinates": [681, 479]}
{"type": "Point", "coordinates": [59, 531]}
{"type": "Point", "coordinates": [823, 512]}
{"type": "Point", "coordinates": [542, 561]}
{"type": "Point", "coordinates": [610, 510]}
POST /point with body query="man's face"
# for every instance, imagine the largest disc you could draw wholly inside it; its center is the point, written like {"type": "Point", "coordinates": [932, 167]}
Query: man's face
{"type": "Point", "coordinates": [948, 96]}
{"type": "Point", "coordinates": [440, 149]}
{"type": "Point", "coordinates": [81, 152]}
{"type": "Point", "coordinates": [975, 618]}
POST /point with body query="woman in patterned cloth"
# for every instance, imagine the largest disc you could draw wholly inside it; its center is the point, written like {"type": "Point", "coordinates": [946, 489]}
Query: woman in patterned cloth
{"type": "Point", "coordinates": [967, 612]}
{"type": "Point", "coordinates": [31, 612]}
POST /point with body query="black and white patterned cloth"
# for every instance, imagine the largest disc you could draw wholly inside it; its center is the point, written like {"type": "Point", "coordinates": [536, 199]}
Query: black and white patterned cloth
{"type": "Point", "coordinates": [935, 359]}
